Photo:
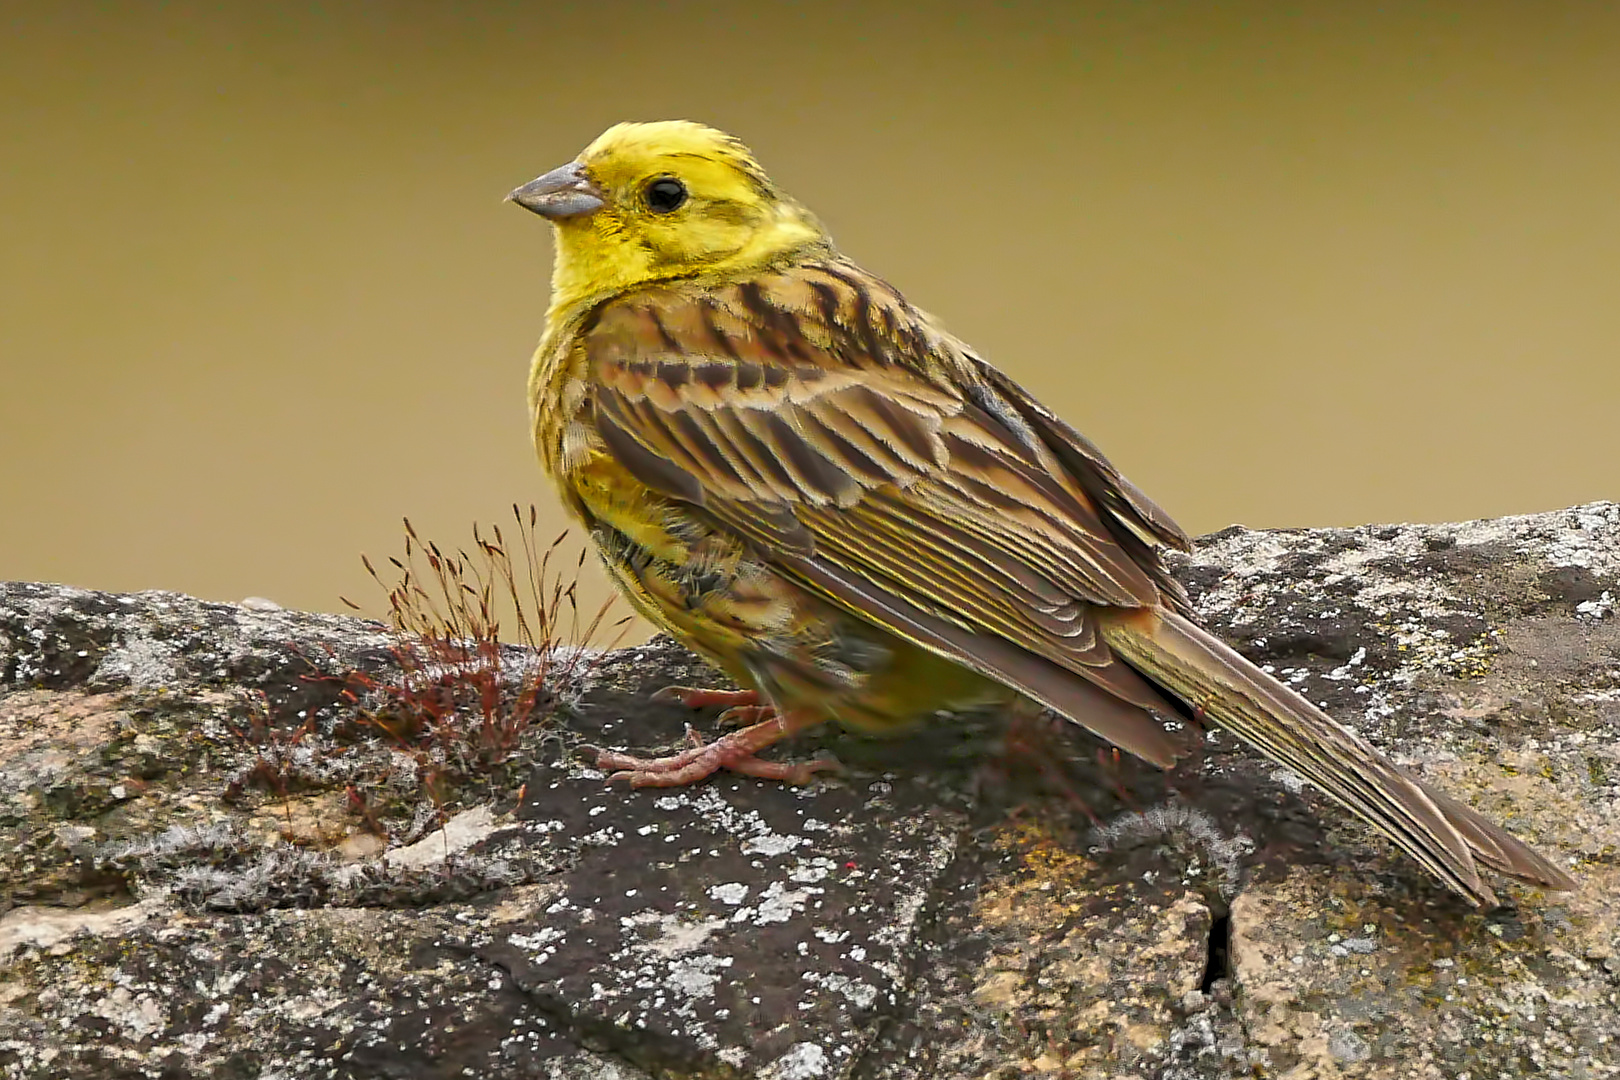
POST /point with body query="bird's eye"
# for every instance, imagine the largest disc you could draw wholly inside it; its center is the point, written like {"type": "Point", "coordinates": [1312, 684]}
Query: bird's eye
{"type": "Point", "coordinates": [665, 195]}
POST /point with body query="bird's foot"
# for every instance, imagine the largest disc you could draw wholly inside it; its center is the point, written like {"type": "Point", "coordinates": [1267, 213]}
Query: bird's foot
{"type": "Point", "coordinates": [736, 752]}
{"type": "Point", "coordinates": [694, 697]}
{"type": "Point", "coordinates": [742, 706]}
{"type": "Point", "coordinates": [739, 715]}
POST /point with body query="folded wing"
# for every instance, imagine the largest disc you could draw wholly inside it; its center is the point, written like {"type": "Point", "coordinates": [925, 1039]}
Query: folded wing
{"type": "Point", "coordinates": [889, 491]}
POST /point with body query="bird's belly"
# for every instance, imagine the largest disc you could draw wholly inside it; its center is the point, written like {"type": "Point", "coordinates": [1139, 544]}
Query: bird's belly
{"type": "Point", "coordinates": [692, 580]}
{"type": "Point", "coordinates": [710, 591]}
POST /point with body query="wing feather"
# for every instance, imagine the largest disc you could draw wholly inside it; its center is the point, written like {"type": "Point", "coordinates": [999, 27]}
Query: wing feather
{"type": "Point", "coordinates": [798, 414]}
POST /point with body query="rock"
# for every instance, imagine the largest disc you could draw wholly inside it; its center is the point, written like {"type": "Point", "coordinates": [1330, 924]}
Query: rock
{"type": "Point", "coordinates": [212, 864]}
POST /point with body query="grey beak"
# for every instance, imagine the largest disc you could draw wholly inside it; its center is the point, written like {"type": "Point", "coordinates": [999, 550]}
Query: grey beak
{"type": "Point", "coordinates": [561, 193]}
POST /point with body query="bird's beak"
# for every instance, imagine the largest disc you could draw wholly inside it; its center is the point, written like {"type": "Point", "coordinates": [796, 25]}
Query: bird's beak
{"type": "Point", "coordinates": [561, 193]}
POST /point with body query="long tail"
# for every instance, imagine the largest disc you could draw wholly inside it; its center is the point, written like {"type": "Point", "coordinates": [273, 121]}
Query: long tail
{"type": "Point", "coordinates": [1449, 839]}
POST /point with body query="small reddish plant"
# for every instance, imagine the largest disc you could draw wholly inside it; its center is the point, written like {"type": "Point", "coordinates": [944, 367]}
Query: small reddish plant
{"type": "Point", "coordinates": [275, 767]}
{"type": "Point", "coordinates": [487, 646]}
{"type": "Point", "coordinates": [467, 693]}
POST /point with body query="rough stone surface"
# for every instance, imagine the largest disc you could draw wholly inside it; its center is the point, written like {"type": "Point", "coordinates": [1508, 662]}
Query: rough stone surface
{"type": "Point", "coordinates": [969, 901]}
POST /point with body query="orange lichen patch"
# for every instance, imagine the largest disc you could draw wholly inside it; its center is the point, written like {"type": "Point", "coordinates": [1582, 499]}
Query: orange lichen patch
{"type": "Point", "coordinates": [318, 821]}
{"type": "Point", "coordinates": [1068, 944]}
{"type": "Point", "coordinates": [1043, 889]}
{"type": "Point", "coordinates": [58, 722]}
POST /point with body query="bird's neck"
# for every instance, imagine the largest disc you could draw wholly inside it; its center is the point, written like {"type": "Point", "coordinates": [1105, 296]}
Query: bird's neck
{"type": "Point", "coordinates": [592, 267]}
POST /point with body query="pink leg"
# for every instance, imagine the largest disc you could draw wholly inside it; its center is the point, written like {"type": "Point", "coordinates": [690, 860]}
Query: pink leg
{"type": "Point", "coordinates": [734, 751]}
{"type": "Point", "coordinates": [1032, 738]}
{"type": "Point", "coordinates": [1109, 760]}
{"type": "Point", "coordinates": [697, 698]}
{"type": "Point", "coordinates": [747, 714]}
{"type": "Point", "coordinates": [743, 706]}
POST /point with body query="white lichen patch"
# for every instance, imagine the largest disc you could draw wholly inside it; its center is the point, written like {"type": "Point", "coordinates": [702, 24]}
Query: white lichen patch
{"type": "Point", "coordinates": [139, 1015]}
{"type": "Point", "coordinates": [1601, 607]}
{"type": "Point", "coordinates": [1347, 670]}
{"type": "Point", "coordinates": [457, 835]}
{"type": "Point", "coordinates": [803, 1061]}
{"type": "Point", "coordinates": [668, 936]}
{"type": "Point", "coordinates": [694, 977]}
{"type": "Point", "coordinates": [51, 928]}
{"type": "Point", "coordinates": [810, 871]}
{"type": "Point", "coordinates": [777, 904]}
{"type": "Point", "coordinates": [540, 945]}
{"type": "Point", "coordinates": [860, 994]}
{"type": "Point", "coordinates": [756, 836]}
{"type": "Point", "coordinates": [1583, 536]}
{"type": "Point", "coordinates": [771, 843]}
{"type": "Point", "coordinates": [143, 663]}
{"type": "Point", "coordinates": [730, 892]}
{"type": "Point", "coordinates": [900, 925]}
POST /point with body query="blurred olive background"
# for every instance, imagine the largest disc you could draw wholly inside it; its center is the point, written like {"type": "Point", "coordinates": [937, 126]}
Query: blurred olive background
{"type": "Point", "coordinates": [1300, 264]}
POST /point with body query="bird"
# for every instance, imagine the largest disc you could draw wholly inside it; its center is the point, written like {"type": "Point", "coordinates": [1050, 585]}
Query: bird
{"type": "Point", "coordinates": [804, 478]}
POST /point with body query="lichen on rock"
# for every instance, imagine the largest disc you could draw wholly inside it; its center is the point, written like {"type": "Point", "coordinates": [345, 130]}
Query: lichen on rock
{"type": "Point", "coordinates": [966, 901]}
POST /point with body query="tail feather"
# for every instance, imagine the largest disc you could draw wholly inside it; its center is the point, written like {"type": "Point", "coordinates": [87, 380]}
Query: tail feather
{"type": "Point", "coordinates": [1511, 857]}
{"type": "Point", "coordinates": [1447, 838]}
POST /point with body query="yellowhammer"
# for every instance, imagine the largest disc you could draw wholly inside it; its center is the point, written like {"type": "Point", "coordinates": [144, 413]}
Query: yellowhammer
{"type": "Point", "coordinates": [805, 479]}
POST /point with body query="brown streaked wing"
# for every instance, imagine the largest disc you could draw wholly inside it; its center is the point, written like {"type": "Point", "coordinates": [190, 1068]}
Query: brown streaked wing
{"type": "Point", "coordinates": [1137, 523]}
{"type": "Point", "coordinates": [744, 402]}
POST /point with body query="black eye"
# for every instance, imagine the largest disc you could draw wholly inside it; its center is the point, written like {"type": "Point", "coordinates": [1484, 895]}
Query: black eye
{"type": "Point", "coordinates": [665, 194]}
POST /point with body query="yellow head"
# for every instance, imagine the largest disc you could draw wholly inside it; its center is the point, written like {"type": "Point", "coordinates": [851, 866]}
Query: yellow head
{"type": "Point", "coordinates": [651, 202]}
